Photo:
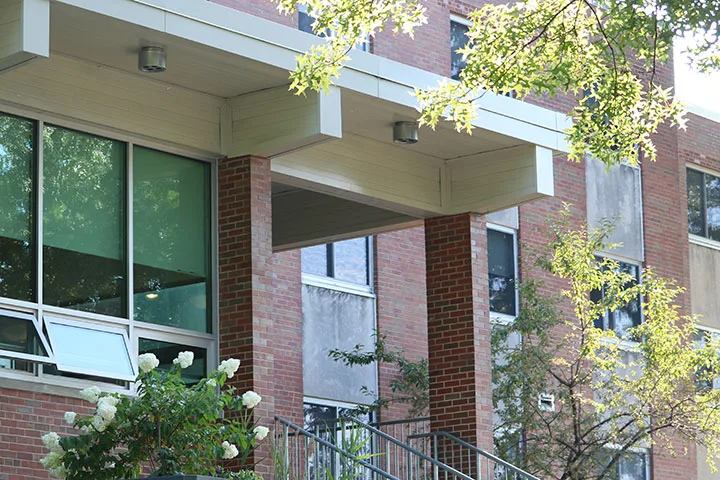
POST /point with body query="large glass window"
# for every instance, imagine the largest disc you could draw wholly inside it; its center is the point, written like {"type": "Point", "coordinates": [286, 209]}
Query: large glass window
{"type": "Point", "coordinates": [306, 21]}
{"type": "Point", "coordinates": [703, 193]}
{"type": "Point", "coordinates": [171, 199]}
{"type": "Point", "coordinates": [348, 261]}
{"type": "Point", "coordinates": [84, 222]}
{"type": "Point", "coordinates": [166, 352]}
{"type": "Point", "coordinates": [65, 231]}
{"type": "Point", "coordinates": [628, 316]}
{"type": "Point", "coordinates": [501, 271]}
{"type": "Point", "coordinates": [17, 250]}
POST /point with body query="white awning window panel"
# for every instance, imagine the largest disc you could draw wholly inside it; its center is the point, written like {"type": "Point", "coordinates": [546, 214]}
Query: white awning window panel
{"type": "Point", "coordinates": [90, 349]}
{"type": "Point", "coordinates": [22, 339]}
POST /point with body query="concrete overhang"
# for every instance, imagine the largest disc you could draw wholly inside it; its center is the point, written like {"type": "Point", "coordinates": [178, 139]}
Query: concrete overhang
{"type": "Point", "coordinates": [225, 94]}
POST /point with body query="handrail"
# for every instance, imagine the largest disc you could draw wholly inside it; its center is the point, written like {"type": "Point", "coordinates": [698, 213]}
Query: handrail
{"type": "Point", "coordinates": [399, 422]}
{"type": "Point", "coordinates": [335, 448]}
{"type": "Point", "coordinates": [404, 446]}
{"type": "Point", "coordinates": [478, 451]}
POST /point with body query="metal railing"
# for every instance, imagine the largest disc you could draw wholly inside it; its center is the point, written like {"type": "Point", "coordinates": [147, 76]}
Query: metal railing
{"type": "Point", "coordinates": [302, 455]}
{"type": "Point", "coordinates": [403, 429]}
{"type": "Point", "coordinates": [466, 457]}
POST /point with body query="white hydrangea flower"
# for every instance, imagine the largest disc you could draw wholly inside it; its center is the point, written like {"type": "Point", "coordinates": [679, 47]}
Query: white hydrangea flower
{"type": "Point", "coordinates": [261, 432]}
{"type": "Point", "coordinates": [53, 462]}
{"type": "Point", "coordinates": [70, 417]}
{"type": "Point", "coordinates": [229, 450]}
{"type": "Point", "coordinates": [229, 366]}
{"type": "Point", "coordinates": [250, 399]}
{"type": "Point", "coordinates": [91, 394]}
{"type": "Point", "coordinates": [106, 410]}
{"type": "Point", "coordinates": [211, 383]}
{"type": "Point", "coordinates": [52, 442]}
{"type": "Point", "coordinates": [110, 400]}
{"type": "Point", "coordinates": [185, 359]}
{"type": "Point", "coordinates": [148, 362]}
{"type": "Point", "coordinates": [99, 423]}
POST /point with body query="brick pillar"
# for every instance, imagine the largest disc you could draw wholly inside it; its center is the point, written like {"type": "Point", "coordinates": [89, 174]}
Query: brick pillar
{"type": "Point", "coordinates": [459, 328]}
{"type": "Point", "coordinates": [256, 293]}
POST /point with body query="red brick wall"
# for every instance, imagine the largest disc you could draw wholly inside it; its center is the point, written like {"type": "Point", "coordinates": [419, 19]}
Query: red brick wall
{"type": "Point", "coordinates": [401, 303]}
{"type": "Point", "coordinates": [459, 327]}
{"type": "Point", "coordinates": [24, 418]}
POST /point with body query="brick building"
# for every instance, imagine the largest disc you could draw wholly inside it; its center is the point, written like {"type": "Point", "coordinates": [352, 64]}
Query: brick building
{"type": "Point", "coordinates": [207, 208]}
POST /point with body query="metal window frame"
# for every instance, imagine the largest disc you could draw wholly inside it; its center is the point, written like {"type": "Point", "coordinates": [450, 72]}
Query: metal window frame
{"type": "Point", "coordinates": [38, 330]}
{"type": "Point", "coordinates": [51, 320]}
{"type": "Point", "coordinates": [505, 318]}
{"type": "Point", "coordinates": [131, 328]}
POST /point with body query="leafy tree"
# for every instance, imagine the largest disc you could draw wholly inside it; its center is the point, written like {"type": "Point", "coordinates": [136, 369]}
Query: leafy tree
{"type": "Point", "coordinates": [606, 54]}
{"type": "Point", "coordinates": [611, 394]}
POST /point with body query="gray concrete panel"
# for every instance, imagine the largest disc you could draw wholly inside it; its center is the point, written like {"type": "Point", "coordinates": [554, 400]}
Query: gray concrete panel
{"type": "Point", "coordinates": [704, 278]}
{"type": "Point", "coordinates": [506, 218]}
{"type": "Point", "coordinates": [615, 193]}
{"type": "Point", "coordinates": [336, 320]}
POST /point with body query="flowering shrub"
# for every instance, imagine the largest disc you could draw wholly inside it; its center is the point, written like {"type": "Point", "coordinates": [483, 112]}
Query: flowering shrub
{"type": "Point", "coordinates": [169, 427]}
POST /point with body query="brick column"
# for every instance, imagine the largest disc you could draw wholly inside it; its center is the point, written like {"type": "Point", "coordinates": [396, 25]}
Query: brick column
{"type": "Point", "coordinates": [459, 328]}
{"type": "Point", "coordinates": [258, 301]}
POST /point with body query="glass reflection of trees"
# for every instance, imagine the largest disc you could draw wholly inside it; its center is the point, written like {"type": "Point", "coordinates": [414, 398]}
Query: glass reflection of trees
{"type": "Point", "coordinates": [17, 258]}
{"type": "Point", "coordinates": [84, 226]}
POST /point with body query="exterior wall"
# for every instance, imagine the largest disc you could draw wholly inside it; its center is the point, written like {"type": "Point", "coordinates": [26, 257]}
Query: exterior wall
{"type": "Point", "coordinates": [401, 304]}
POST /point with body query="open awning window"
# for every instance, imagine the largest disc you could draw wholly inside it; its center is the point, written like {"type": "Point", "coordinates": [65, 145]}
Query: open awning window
{"type": "Point", "coordinates": [90, 349]}
{"type": "Point", "coordinates": [21, 338]}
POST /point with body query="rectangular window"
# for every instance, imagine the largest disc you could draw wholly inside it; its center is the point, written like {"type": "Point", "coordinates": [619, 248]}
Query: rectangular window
{"type": "Point", "coordinates": [17, 206]}
{"type": "Point", "coordinates": [632, 466]}
{"type": "Point", "coordinates": [305, 24]}
{"type": "Point", "coordinates": [90, 349]}
{"type": "Point", "coordinates": [20, 338]}
{"type": "Point", "coordinates": [64, 212]}
{"type": "Point", "coordinates": [458, 39]}
{"type": "Point", "coordinates": [502, 271]}
{"type": "Point", "coordinates": [84, 222]}
{"type": "Point", "coordinates": [622, 319]}
{"type": "Point", "coordinates": [348, 261]}
{"type": "Point", "coordinates": [703, 193]}
{"type": "Point", "coordinates": [171, 215]}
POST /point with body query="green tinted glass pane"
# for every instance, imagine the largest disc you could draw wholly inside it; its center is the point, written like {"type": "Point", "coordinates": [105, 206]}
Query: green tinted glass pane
{"type": "Point", "coordinates": [171, 214]}
{"type": "Point", "coordinates": [83, 222]}
{"type": "Point", "coordinates": [17, 249]}
{"type": "Point", "coordinates": [167, 352]}
{"type": "Point", "coordinates": [20, 336]}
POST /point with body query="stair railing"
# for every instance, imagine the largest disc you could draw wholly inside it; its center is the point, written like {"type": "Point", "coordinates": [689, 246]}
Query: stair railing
{"type": "Point", "coordinates": [470, 459]}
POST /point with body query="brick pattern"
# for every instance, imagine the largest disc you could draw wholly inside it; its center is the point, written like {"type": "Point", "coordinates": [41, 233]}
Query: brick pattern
{"type": "Point", "coordinates": [459, 327]}
{"type": "Point", "coordinates": [401, 304]}
{"type": "Point", "coordinates": [259, 294]}
{"type": "Point", "coordinates": [24, 418]}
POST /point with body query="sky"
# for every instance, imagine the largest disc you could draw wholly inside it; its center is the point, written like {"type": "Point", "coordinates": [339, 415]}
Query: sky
{"type": "Point", "coordinates": [698, 91]}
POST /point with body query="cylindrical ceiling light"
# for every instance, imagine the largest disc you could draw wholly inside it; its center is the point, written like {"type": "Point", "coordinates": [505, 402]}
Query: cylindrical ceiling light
{"type": "Point", "coordinates": [405, 132]}
{"type": "Point", "coordinates": [152, 60]}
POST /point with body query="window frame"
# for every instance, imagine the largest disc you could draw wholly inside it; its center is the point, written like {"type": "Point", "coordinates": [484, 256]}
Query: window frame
{"type": "Point", "coordinates": [645, 452]}
{"type": "Point", "coordinates": [29, 317]}
{"type": "Point", "coordinates": [133, 329]}
{"type": "Point", "coordinates": [627, 343]}
{"type": "Point", "coordinates": [703, 240]}
{"type": "Point", "coordinates": [497, 317]}
{"type": "Point", "coordinates": [332, 283]}
{"type": "Point", "coordinates": [459, 19]}
{"type": "Point", "coordinates": [58, 320]}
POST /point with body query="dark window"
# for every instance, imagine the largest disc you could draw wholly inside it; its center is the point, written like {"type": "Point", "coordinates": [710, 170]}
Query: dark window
{"type": "Point", "coordinates": [501, 271]}
{"type": "Point", "coordinates": [348, 260]}
{"type": "Point", "coordinates": [703, 193]}
{"type": "Point", "coordinates": [623, 318]}
{"type": "Point", "coordinates": [703, 381]}
{"type": "Point", "coordinates": [166, 352]}
{"type": "Point", "coordinates": [631, 466]}
{"type": "Point", "coordinates": [458, 39]}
